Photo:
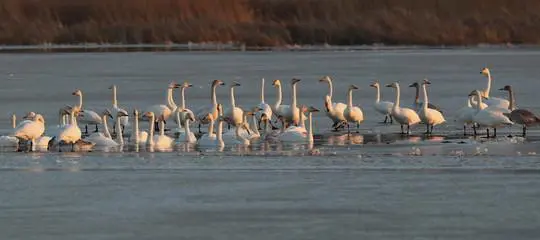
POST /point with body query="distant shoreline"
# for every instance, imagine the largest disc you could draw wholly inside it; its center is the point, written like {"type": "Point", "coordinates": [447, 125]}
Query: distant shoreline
{"type": "Point", "coordinates": [216, 47]}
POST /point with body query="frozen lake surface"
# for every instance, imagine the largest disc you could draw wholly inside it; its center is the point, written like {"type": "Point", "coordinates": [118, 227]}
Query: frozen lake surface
{"type": "Point", "coordinates": [374, 184]}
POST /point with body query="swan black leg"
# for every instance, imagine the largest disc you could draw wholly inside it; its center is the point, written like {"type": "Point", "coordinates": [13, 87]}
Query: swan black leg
{"type": "Point", "coordinates": [494, 132]}
{"type": "Point", "coordinates": [96, 128]}
{"type": "Point", "coordinates": [487, 131]}
{"type": "Point", "coordinates": [464, 130]}
{"type": "Point", "coordinates": [524, 130]}
{"type": "Point", "coordinates": [200, 127]}
{"type": "Point", "coordinates": [357, 127]}
{"type": "Point", "coordinates": [474, 129]}
{"type": "Point", "coordinates": [86, 129]}
{"type": "Point", "coordinates": [73, 147]}
{"type": "Point", "coordinates": [427, 128]}
{"type": "Point", "coordinates": [402, 129]}
{"type": "Point", "coordinates": [391, 119]}
{"type": "Point", "coordinates": [408, 129]}
{"type": "Point", "coordinates": [385, 118]}
{"type": "Point", "coordinates": [431, 130]}
{"type": "Point", "coordinates": [348, 129]}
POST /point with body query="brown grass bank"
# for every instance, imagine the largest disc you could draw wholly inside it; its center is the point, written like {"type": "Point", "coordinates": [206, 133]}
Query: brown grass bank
{"type": "Point", "coordinates": [270, 22]}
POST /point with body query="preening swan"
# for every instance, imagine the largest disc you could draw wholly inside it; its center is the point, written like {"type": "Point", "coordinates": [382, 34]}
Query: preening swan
{"type": "Point", "coordinates": [87, 116]}
{"type": "Point", "coordinates": [417, 105]}
{"type": "Point", "coordinates": [333, 110]}
{"type": "Point", "coordinates": [523, 117]}
{"type": "Point", "coordinates": [492, 101]}
{"type": "Point", "coordinates": [383, 107]}
{"type": "Point", "coordinates": [430, 117]}
{"type": "Point", "coordinates": [202, 112]}
{"type": "Point", "coordinates": [297, 134]}
{"type": "Point", "coordinates": [30, 131]}
{"type": "Point", "coordinates": [352, 113]}
{"type": "Point", "coordinates": [489, 118]}
{"type": "Point", "coordinates": [404, 116]}
{"type": "Point", "coordinates": [115, 109]}
{"type": "Point", "coordinates": [234, 114]}
{"type": "Point", "coordinates": [265, 107]}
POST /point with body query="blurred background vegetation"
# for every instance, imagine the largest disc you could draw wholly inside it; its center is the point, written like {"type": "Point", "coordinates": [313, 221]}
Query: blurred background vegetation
{"type": "Point", "coordinates": [270, 22]}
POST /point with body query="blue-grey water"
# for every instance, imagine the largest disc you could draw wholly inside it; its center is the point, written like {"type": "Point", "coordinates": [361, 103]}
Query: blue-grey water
{"type": "Point", "coordinates": [374, 184]}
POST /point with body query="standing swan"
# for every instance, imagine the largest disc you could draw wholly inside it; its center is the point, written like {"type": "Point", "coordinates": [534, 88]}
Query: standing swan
{"type": "Point", "coordinates": [140, 137]}
{"type": "Point", "coordinates": [183, 114]}
{"type": "Point", "coordinates": [466, 114]}
{"type": "Point", "coordinates": [160, 141]}
{"type": "Point", "coordinates": [115, 109]}
{"type": "Point", "coordinates": [71, 133]}
{"type": "Point", "coordinates": [165, 110]}
{"type": "Point", "coordinates": [430, 117]}
{"type": "Point", "coordinates": [492, 101]}
{"type": "Point", "coordinates": [235, 115]}
{"type": "Point", "coordinates": [352, 113]}
{"type": "Point", "coordinates": [88, 116]}
{"type": "Point", "coordinates": [383, 107]}
{"type": "Point", "coordinates": [335, 111]}
{"type": "Point", "coordinates": [489, 117]}
{"type": "Point", "coordinates": [293, 116]}
{"type": "Point", "coordinates": [265, 108]}
{"type": "Point", "coordinates": [203, 111]}
{"type": "Point", "coordinates": [523, 117]}
{"type": "Point", "coordinates": [279, 109]}
{"type": "Point", "coordinates": [404, 116]}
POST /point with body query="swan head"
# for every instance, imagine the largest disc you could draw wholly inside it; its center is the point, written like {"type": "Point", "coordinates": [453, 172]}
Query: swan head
{"type": "Point", "coordinates": [39, 118]}
{"type": "Point", "coordinates": [173, 85]}
{"type": "Point", "coordinates": [325, 79]}
{"type": "Point", "coordinates": [415, 84]}
{"type": "Point", "coordinates": [106, 112]}
{"type": "Point", "coordinates": [353, 87]}
{"type": "Point", "coordinates": [425, 82]}
{"type": "Point", "coordinates": [485, 71]}
{"type": "Point", "coordinates": [295, 81]}
{"type": "Point", "coordinates": [77, 92]}
{"type": "Point", "coordinates": [29, 116]}
{"type": "Point", "coordinates": [112, 87]}
{"type": "Point", "coordinates": [475, 93]}
{"type": "Point", "coordinates": [149, 114]}
{"type": "Point", "coordinates": [312, 109]}
{"type": "Point", "coordinates": [186, 85]}
{"type": "Point", "coordinates": [217, 82]}
{"type": "Point", "coordinates": [235, 84]}
{"type": "Point", "coordinates": [135, 112]}
{"type": "Point", "coordinates": [190, 115]}
{"type": "Point", "coordinates": [276, 83]}
{"type": "Point", "coordinates": [506, 88]}
{"type": "Point", "coordinates": [375, 84]}
{"type": "Point", "coordinates": [121, 114]}
{"type": "Point", "coordinates": [393, 85]}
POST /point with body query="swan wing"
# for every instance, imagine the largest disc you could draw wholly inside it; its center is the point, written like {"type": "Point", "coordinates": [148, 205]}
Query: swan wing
{"type": "Point", "coordinates": [29, 130]}
{"type": "Point", "coordinates": [89, 117]}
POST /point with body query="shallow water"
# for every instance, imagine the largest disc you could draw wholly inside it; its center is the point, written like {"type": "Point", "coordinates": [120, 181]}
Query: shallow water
{"type": "Point", "coordinates": [374, 184]}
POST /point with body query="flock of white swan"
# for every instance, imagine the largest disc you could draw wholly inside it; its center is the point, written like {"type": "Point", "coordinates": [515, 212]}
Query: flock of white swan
{"type": "Point", "coordinates": [262, 122]}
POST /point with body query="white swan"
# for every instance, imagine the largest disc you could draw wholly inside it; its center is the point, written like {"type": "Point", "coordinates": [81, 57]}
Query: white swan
{"type": "Point", "coordinates": [297, 134]}
{"type": "Point", "coordinates": [182, 108]}
{"type": "Point", "coordinates": [417, 105]}
{"type": "Point", "coordinates": [139, 137]}
{"type": "Point", "coordinates": [492, 101]}
{"type": "Point", "coordinates": [352, 113]}
{"type": "Point", "coordinates": [10, 141]}
{"type": "Point", "coordinates": [404, 116]}
{"type": "Point", "coordinates": [115, 109]}
{"type": "Point", "coordinates": [489, 118]}
{"type": "Point", "coordinates": [466, 114]}
{"type": "Point", "coordinates": [164, 110]}
{"type": "Point", "coordinates": [187, 136]}
{"type": "Point", "coordinates": [87, 116]}
{"type": "Point", "coordinates": [382, 107]}
{"type": "Point", "coordinates": [30, 131]}
{"type": "Point", "coordinates": [234, 114]}
{"type": "Point", "coordinates": [160, 141]}
{"type": "Point", "coordinates": [269, 134]}
{"type": "Point", "coordinates": [202, 112]}
{"type": "Point", "coordinates": [279, 109]}
{"type": "Point", "coordinates": [263, 106]}
{"type": "Point", "coordinates": [71, 133]}
{"type": "Point", "coordinates": [104, 139]}
{"type": "Point", "coordinates": [430, 117]}
{"type": "Point", "coordinates": [335, 111]}
{"type": "Point", "coordinates": [253, 126]}
{"type": "Point", "coordinates": [293, 114]}
{"type": "Point", "coordinates": [215, 140]}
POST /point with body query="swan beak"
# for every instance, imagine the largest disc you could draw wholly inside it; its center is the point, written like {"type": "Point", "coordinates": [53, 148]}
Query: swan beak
{"type": "Point", "coordinates": [190, 85]}
{"type": "Point", "coordinates": [235, 84]}
{"type": "Point", "coordinates": [412, 85]}
{"type": "Point", "coordinates": [74, 93]}
{"type": "Point", "coordinates": [354, 87]}
{"type": "Point", "coordinates": [372, 85]}
{"type": "Point", "coordinates": [388, 85]}
{"type": "Point", "coordinates": [502, 89]}
{"type": "Point", "coordinates": [312, 109]}
{"type": "Point", "coordinates": [295, 80]}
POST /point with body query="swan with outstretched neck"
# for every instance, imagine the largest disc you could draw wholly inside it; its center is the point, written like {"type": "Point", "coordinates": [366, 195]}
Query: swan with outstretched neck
{"type": "Point", "coordinates": [335, 111]}
{"type": "Point", "coordinates": [404, 116]}
{"type": "Point", "coordinates": [202, 112]}
{"type": "Point", "coordinates": [234, 114]}
{"type": "Point", "coordinates": [382, 107]}
{"type": "Point", "coordinates": [492, 101]}
{"type": "Point", "coordinates": [182, 109]}
{"type": "Point", "coordinates": [139, 137]}
{"type": "Point", "coordinates": [430, 117]}
{"type": "Point", "coordinates": [124, 120]}
{"type": "Point", "coordinates": [523, 117]}
{"type": "Point", "coordinates": [263, 106]}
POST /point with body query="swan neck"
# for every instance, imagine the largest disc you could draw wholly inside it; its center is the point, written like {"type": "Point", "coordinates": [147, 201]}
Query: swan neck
{"type": "Point", "coordinates": [213, 95]}
{"type": "Point", "coordinates": [178, 120]}
{"type": "Point", "coordinates": [220, 131]}
{"type": "Point", "coordinates": [211, 127]}
{"type": "Point", "coordinates": [396, 105]}
{"type": "Point", "coordinates": [478, 101]}
{"type": "Point", "coordinates": [187, 131]}
{"type": "Point", "coordinates": [114, 100]}
{"type": "Point", "coordinates": [470, 102]}
{"type": "Point", "coordinates": [151, 130]}
{"type": "Point", "coordinates": [330, 89]}
{"type": "Point", "coordinates": [278, 97]}
{"type": "Point", "coordinates": [378, 95]}
{"type": "Point", "coordinates": [426, 100]}
{"type": "Point", "coordinates": [136, 128]}
{"type": "Point", "coordinates": [170, 98]}
{"type": "Point", "coordinates": [13, 121]}
{"type": "Point", "coordinates": [512, 100]}
{"type": "Point", "coordinates": [106, 127]}
{"type": "Point", "coordinates": [80, 101]}
{"type": "Point", "coordinates": [417, 96]}
{"type": "Point", "coordinates": [119, 129]}
{"type": "Point", "coordinates": [293, 96]}
{"type": "Point", "coordinates": [233, 105]}
{"type": "Point", "coordinates": [349, 96]}
{"type": "Point", "coordinates": [488, 89]}
{"type": "Point", "coordinates": [161, 128]}
{"type": "Point", "coordinates": [183, 98]}
{"type": "Point", "coordinates": [310, 134]}
{"type": "Point", "coordinates": [262, 90]}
